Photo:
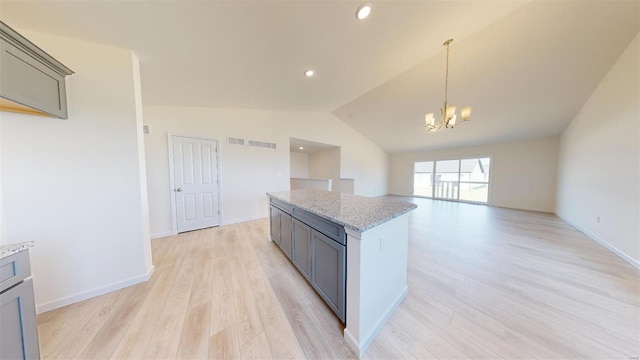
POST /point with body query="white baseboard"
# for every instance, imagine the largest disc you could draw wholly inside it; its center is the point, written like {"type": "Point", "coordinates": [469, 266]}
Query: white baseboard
{"type": "Point", "coordinates": [352, 343]}
{"type": "Point", "coordinates": [361, 348]}
{"type": "Point", "coordinates": [635, 263]}
{"type": "Point", "coordinates": [241, 220]}
{"type": "Point", "coordinates": [42, 308]}
{"type": "Point", "coordinates": [222, 223]}
{"type": "Point", "coordinates": [160, 235]}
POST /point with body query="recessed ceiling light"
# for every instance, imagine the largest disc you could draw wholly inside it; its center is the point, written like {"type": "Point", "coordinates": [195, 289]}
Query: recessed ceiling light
{"type": "Point", "coordinates": [363, 11]}
{"type": "Point", "coordinates": [309, 73]}
{"type": "Point", "coordinates": [301, 148]}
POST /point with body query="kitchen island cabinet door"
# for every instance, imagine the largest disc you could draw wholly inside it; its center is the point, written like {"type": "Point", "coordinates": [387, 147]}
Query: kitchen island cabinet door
{"type": "Point", "coordinates": [274, 220]}
{"type": "Point", "coordinates": [301, 252]}
{"type": "Point", "coordinates": [285, 233]}
{"type": "Point", "coordinates": [18, 328]}
{"type": "Point", "coordinates": [328, 273]}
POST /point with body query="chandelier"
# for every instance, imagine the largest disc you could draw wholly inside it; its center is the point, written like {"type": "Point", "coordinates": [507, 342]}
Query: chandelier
{"type": "Point", "coordinates": [448, 116]}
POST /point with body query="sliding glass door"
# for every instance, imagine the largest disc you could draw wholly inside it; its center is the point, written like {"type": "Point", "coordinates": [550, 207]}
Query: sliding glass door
{"type": "Point", "coordinates": [423, 179]}
{"type": "Point", "coordinates": [460, 179]}
{"type": "Point", "coordinates": [474, 181]}
{"type": "Point", "coordinates": [447, 180]}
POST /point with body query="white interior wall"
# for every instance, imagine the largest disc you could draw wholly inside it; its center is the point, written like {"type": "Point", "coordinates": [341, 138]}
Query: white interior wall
{"type": "Point", "coordinates": [2, 230]}
{"type": "Point", "coordinates": [74, 186]}
{"type": "Point", "coordinates": [299, 165]}
{"type": "Point", "coordinates": [342, 186]}
{"type": "Point", "coordinates": [599, 161]}
{"type": "Point", "coordinates": [142, 168]}
{"type": "Point", "coordinates": [248, 173]}
{"type": "Point", "coordinates": [317, 184]}
{"type": "Point", "coordinates": [325, 164]}
{"type": "Point", "coordinates": [523, 173]}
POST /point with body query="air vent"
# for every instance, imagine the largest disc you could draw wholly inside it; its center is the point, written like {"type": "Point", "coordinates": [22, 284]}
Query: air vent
{"type": "Point", "coordinates": [235, 141]}
{"type": "Point", "coordinates": [261, 144]}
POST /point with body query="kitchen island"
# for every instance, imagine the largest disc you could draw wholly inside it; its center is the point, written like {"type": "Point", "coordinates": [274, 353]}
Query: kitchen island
{"type": "Point", "coordinates": [353, 251]}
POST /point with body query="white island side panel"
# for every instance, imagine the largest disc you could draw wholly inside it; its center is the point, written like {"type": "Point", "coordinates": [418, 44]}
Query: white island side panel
{"type": "Point", "coordinates": [376, 279]}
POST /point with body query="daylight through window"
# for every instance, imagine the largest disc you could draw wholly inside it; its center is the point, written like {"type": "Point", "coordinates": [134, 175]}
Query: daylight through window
{"type": "Point", "coordinates": [464, 179]}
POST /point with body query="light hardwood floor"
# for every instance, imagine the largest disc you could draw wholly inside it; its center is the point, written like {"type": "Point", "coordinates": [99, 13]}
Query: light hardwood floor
{"type": "Point", "coordinates": [484, 283]}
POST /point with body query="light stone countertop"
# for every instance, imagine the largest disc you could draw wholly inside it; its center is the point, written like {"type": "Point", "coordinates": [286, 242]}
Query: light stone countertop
{"type": "Point", "coordinates": [8, 250]}
{"type": "Point", "coordinates": [358, 213]}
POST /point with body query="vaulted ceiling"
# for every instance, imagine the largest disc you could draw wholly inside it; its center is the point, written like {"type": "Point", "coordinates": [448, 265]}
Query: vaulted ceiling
{"type": "Point", "coordinates": [525, 67]}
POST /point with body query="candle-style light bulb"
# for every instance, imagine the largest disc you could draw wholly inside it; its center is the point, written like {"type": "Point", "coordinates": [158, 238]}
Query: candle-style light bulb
{"type": "Point", "coordinates": [465, 113]}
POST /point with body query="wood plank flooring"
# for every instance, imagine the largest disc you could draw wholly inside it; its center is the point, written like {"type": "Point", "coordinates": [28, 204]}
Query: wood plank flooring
{"type": "Point", "coordinates": [484, 283]}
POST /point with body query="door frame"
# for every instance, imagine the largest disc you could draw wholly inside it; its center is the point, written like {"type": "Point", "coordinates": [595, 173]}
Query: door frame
{"type": "Point", "coordinates": [174, 217]}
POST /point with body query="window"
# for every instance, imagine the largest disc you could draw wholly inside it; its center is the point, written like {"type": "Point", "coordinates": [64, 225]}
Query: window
{"type": "Point", "coordinates": [423, 179]}
{"type": "Point", "coordinates": [464, 179]}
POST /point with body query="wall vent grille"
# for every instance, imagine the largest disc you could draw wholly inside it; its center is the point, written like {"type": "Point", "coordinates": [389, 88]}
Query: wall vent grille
{"type": "Point", "coordinates": [235, 141]}
{"type": "Point", "coordinates": [261, 144]}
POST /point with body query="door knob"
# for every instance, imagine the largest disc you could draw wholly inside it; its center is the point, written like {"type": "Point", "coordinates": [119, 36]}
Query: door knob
{"type": "Point", "coordinates": [178, 189]}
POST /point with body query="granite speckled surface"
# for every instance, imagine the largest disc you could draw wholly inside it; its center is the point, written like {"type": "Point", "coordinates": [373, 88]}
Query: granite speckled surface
{"type": "Point", "coordinates": [8, 250]}
{"type": "Point", "coordinates": [358, 213]}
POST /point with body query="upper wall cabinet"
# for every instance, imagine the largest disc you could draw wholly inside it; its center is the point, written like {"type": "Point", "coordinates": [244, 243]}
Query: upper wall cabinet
{"type": "Point", "coordinates": [31, 81]}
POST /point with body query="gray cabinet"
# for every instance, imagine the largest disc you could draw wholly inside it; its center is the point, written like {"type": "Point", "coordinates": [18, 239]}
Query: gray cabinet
{"type": "Point", "coordinates": [280, 229]}
{"type": "Point", "coordinates": [31, 81]}
{"type": "Point", "coordinates": [328, 271]}
{"type": "Point", "coordinates": [18, 327]}
{"type": "Point", "coordinates": [316, 247]}
{"type": "Point", "coordinates": [301, 253]}
{"type": "Point", "coordinates": [285, 233]}
{"type": "Point", "coordinates": [274, 222]}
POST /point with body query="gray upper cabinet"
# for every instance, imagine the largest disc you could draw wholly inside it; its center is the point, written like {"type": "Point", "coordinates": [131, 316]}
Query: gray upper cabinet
{"type": "Point", "coordinates": [31, 81]}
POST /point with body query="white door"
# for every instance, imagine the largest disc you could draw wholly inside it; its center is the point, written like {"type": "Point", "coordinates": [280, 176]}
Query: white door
{"type": "Point", "coordinates": [195, 179]}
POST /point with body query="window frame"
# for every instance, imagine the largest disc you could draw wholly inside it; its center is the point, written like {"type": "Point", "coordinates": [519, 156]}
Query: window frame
{"type": "Point", "coordinates": [434, 175]}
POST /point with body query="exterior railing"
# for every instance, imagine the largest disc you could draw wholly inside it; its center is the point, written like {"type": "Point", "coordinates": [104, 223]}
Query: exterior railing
{"type": "Point", "coordinates": [446, 189]}
{"type": "Point", "coordinates": [449, 189]}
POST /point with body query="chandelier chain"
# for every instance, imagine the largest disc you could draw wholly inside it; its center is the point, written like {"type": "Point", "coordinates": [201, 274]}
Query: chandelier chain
{"type": "Point", "coordinates": [446, 79]}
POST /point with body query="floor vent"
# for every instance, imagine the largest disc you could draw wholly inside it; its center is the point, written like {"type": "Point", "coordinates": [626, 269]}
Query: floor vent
{"type": "Point", "coordinates": [235, 141]}
{"type": "Point", "coordinates": [262, 144]}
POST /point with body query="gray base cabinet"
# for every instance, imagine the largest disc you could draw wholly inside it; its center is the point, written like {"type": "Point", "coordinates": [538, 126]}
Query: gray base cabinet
{"type": "Point", "coordinates": [280, 229]}
{"type": "Point", "coordinates": [316, 247]}
{"type": "Point", "coordinates": [274, 219]}
{"type": "Point", "coordinates": [328, 273]}
{"type": "Point", "coordinates": [301, 255]}
{"type": "Point", "coordinates": [285, 234]}
{"type": "Point", "coordinates": [18, 327]}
